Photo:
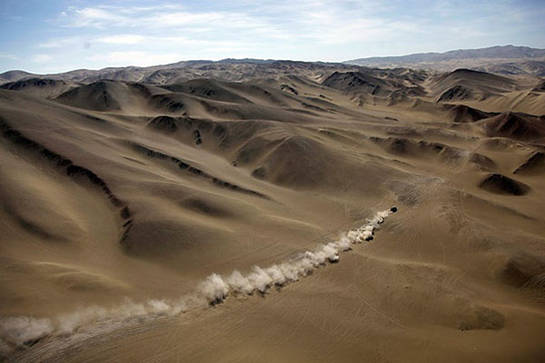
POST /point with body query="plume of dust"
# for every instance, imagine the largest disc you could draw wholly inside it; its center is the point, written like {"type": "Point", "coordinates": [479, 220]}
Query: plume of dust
{"type": "Point", "coordinates": [16, 331]}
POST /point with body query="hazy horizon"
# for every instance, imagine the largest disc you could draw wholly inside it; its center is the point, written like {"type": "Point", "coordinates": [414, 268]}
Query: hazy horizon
{"type": "Point", "coordinates": [59, 36]}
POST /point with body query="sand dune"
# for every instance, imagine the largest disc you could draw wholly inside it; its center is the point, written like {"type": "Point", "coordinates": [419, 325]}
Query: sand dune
{"type": "Point", "coordinates": [48, 88]}
{"type": "Point", "coordinates": [463, 113]}
{"type": "Point", "coordinates": [465, 85]}
{"type": "Point", "coordinates": [129, 198]}
{"type": "Point", "coordinates": [516, 126]}
{"type": "Point", "coordinates": [498, 183]}
{"type": "Point", "coordinates": [534, 165]}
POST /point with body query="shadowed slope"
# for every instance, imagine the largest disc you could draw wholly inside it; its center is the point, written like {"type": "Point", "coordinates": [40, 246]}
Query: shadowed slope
{"type": "Point", "coordinates": [535, 165]}
{"type": "Point", "coordinates": [49, 88]}
{"type": "Point", "coordinates": [515, 125]}
{"type": "Point", "coordinates": [497, 183]}
{"type": "Point", "coordinates": [465, 84]}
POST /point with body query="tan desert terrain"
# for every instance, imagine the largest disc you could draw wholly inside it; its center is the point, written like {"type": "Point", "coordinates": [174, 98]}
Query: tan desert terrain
{"type": "Point", "coordinates": [120, 198]}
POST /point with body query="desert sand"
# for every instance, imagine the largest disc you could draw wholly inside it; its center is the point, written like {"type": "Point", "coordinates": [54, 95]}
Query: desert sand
{"type": "Point", "coordinates": [121, 198]}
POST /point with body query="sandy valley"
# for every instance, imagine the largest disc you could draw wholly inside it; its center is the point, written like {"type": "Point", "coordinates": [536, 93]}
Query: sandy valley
{"type": "Point", "coordinates": [121, 193]}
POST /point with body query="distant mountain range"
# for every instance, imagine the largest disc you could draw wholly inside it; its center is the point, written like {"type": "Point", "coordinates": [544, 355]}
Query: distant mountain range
{"type": "Point", "coordinates": [507, 59]}
{"type": "Point", "coordinates": [228, 70]}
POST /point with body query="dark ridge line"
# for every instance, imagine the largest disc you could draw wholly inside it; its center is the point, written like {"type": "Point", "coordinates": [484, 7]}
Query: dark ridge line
{"type": "Point", "coordinates": [166, 101]}
{"type": "Point", "coordinates": [398, 145]}
{"type": "Point", "coordinates": [71, 169]}
{"type": "Point", "coordinates": [35, 81]}
{"type": "Point", "coordinates": [198, 172]}
{"type": "Point", "coordinates": [534, 161]}
{"type": "Point", "coordinates": [171, 124]}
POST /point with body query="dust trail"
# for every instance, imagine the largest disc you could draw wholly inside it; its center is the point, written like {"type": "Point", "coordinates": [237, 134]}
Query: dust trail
{"type": "Point", "coordinates": [24, 331]}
